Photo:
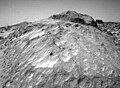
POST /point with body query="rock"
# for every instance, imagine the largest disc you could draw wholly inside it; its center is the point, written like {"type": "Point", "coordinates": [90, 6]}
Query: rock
{"type": "Point", "coordinates": [112, 29]}
{"type": "Point", "coordinates": [67, 50]}
{"type": "Point", "coordinates": [75, 17]}
{"type": "Point", "coordinates": [99, 21]}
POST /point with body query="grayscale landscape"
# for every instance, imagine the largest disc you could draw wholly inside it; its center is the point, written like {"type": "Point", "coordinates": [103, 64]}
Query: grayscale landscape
{"type": "Point", "coordinates": [66, 50]}
{"type": "Point", "coordinates": [69, 49]}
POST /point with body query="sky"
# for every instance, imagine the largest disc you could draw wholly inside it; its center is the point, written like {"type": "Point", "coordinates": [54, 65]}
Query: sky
{"type": "Point", "coordinates": [16, 11]}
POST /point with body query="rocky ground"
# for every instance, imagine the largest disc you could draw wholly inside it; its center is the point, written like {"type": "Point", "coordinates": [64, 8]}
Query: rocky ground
{"type": "Point", "coordinates": [67, 50]}
{"type": "Point", "coordinates": [113, 29]}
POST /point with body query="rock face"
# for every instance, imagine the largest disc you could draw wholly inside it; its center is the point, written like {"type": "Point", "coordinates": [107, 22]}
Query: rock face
{"type": "Point", "coordinates": [67, 50]}
{"type": "Point", "coordinates": [75, 17]}
{"type": "Point", "coordinates": [112, 29]}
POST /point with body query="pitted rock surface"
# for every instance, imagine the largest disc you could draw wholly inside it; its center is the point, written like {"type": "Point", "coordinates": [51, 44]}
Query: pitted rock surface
{"type": "Point", "coordinates": [58, 52]}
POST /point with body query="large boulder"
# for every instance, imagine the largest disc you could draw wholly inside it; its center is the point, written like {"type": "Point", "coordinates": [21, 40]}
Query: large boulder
{"type": "Point", "coordinates": [63, 52]}
{"type": "Point", "coordinates": [75, 17]}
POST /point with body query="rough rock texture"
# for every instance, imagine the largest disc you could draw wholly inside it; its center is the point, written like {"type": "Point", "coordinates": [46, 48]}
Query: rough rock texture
{"type": "Point", "coordinates": [112, 29]}
{"type": "Point", "coordinates": [75, 17]}
{"type": "Point", "coordinates": [68, 50]}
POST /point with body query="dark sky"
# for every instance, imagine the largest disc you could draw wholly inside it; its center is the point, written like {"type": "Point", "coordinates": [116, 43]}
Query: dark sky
{"type": "Point", "coordinates": [15, 11]}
